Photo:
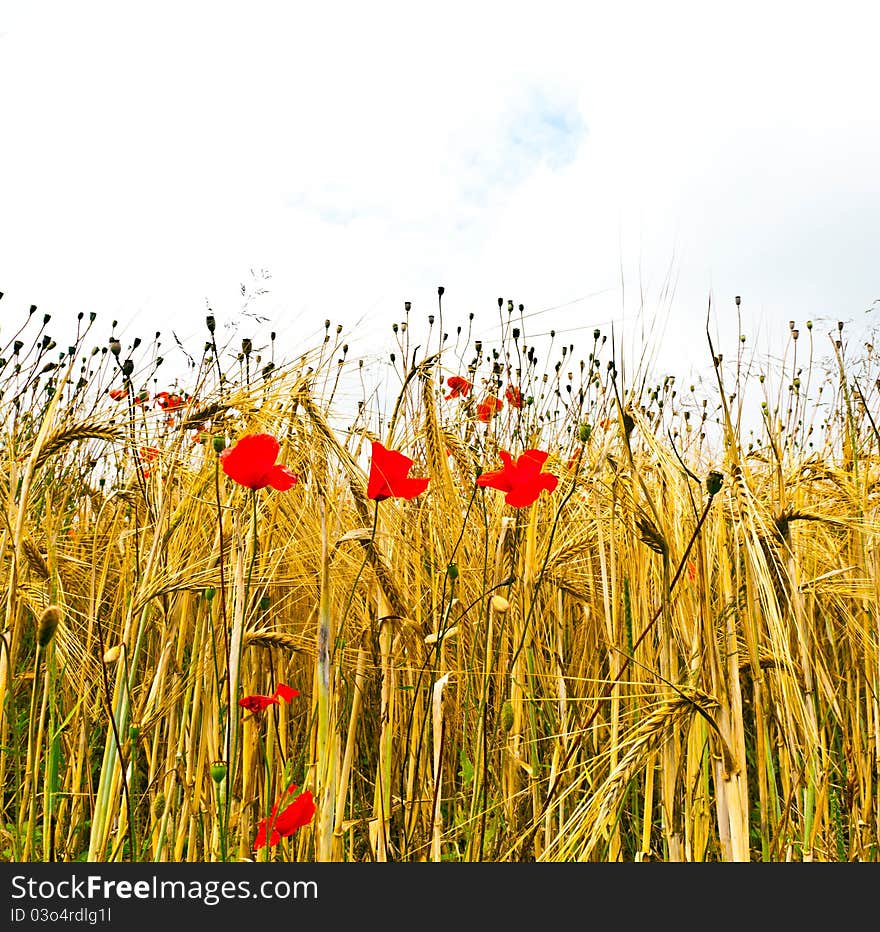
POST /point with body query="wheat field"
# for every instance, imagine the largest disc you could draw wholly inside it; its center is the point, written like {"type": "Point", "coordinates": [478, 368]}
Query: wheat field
{"type": "Point", "coordinates": [672, 655]}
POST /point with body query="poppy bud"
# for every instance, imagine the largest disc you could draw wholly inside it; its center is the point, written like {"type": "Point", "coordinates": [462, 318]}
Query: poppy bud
{"type": "Point", "coordinates": [265, 602]}
{"type": "Point", "coordinates": [134, 731]}
{"type": "Point", "coordinates": [510, 307]}
{"type": "Point", "coordinates": [219, 444]}
{"type": "Point", "coordinates": [584, 432]}
{"type": "Point", "coordinates": [210, 592]}
{"type": "Point", "coordinates": [218, 771]}
{"type": "Point", "coordinates": [48, 625]}
{"type": "Point", "coordinates": [452, 570]}
{"type": "Point", "coordinates": [507, 715]}
{"type": "Point", "coordinates": [500, 303]}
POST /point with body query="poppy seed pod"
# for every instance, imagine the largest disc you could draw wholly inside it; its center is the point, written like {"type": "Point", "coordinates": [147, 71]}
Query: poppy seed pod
{"type": "Point", "coordinates": [713, 482]}
{"type": "Point", "coordinates": [218, 771]}
{"type": "Point", "coordinates": [440, 291]}
{"type": "Point", "coordinates": [48, 625]}
{"type": "Point", "coordinates": [211, 323]}
{"type": "Point", "coordinates": [115, 347]}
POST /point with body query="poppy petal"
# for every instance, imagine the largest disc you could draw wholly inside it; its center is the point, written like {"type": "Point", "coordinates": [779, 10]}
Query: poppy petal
{"type": "Point", "coordinates": [251, 463]}
{"type": "Point", "coordinates": [257, 703]}
{"type": "Point", "coordinates": [388, 475]}
{"type": "Point", "coordinates": [281, 478]}
{"type": "Point", "coordinates": [495, 480]}
{"type": "Point", "coordinates": [297, 815]}
{"type": "Point", "coordinates": [286, 692]}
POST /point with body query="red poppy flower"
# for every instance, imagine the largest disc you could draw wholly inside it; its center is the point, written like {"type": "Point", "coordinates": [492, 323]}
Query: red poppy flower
{"type": "Point", "coordinates": [514, 396]}
{"type": "Point", "coordinates": [258, 703]}
{"type": "Point", "coordinates": [142, 397]}
{"type": "Point", "coordinates": [117, 394]}
{"type": "Point", "coordinates": [521, 479]}
{"type": "Point", "coordinates": [167, 401]}
{"type": "Point", "coordinates": [251, 463]}
{"type": "Point", "coordinates": [489, 407]}
{"type": "Point", "coordinates": [458, 386]}
{"type": "Point", "coordinates": [298, 814]}
{"type": "Point", "coordinates": [388, 475]}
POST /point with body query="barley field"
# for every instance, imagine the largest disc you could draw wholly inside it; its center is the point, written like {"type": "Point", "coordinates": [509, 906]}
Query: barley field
{"type": "Point", "coordinates": [518, 605]}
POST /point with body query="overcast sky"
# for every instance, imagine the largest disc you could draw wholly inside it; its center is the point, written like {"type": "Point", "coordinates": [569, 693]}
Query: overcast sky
{"type": "Point", "coordinates": [588, 157]}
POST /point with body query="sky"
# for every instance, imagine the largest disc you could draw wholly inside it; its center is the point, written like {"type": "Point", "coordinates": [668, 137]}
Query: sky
{"type": "Point", "coordinates": [603, 164]}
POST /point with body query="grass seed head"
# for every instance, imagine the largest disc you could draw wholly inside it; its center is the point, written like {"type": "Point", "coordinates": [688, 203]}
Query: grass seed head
{"type": "Point", "coordinates": [48, 625]}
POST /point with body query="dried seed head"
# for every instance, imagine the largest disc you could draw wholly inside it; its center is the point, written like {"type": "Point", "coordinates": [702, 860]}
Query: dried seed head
{"type": "Point", "coordinates": [48, 625]}
{"type": "Point", "coordinates": [111, 655]}
{"type": "Point", "coordinates": [499, 604]}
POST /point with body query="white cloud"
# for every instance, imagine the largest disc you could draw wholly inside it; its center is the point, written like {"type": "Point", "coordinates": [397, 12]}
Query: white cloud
{"type": "Point", "coordinates": [365, 154]}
